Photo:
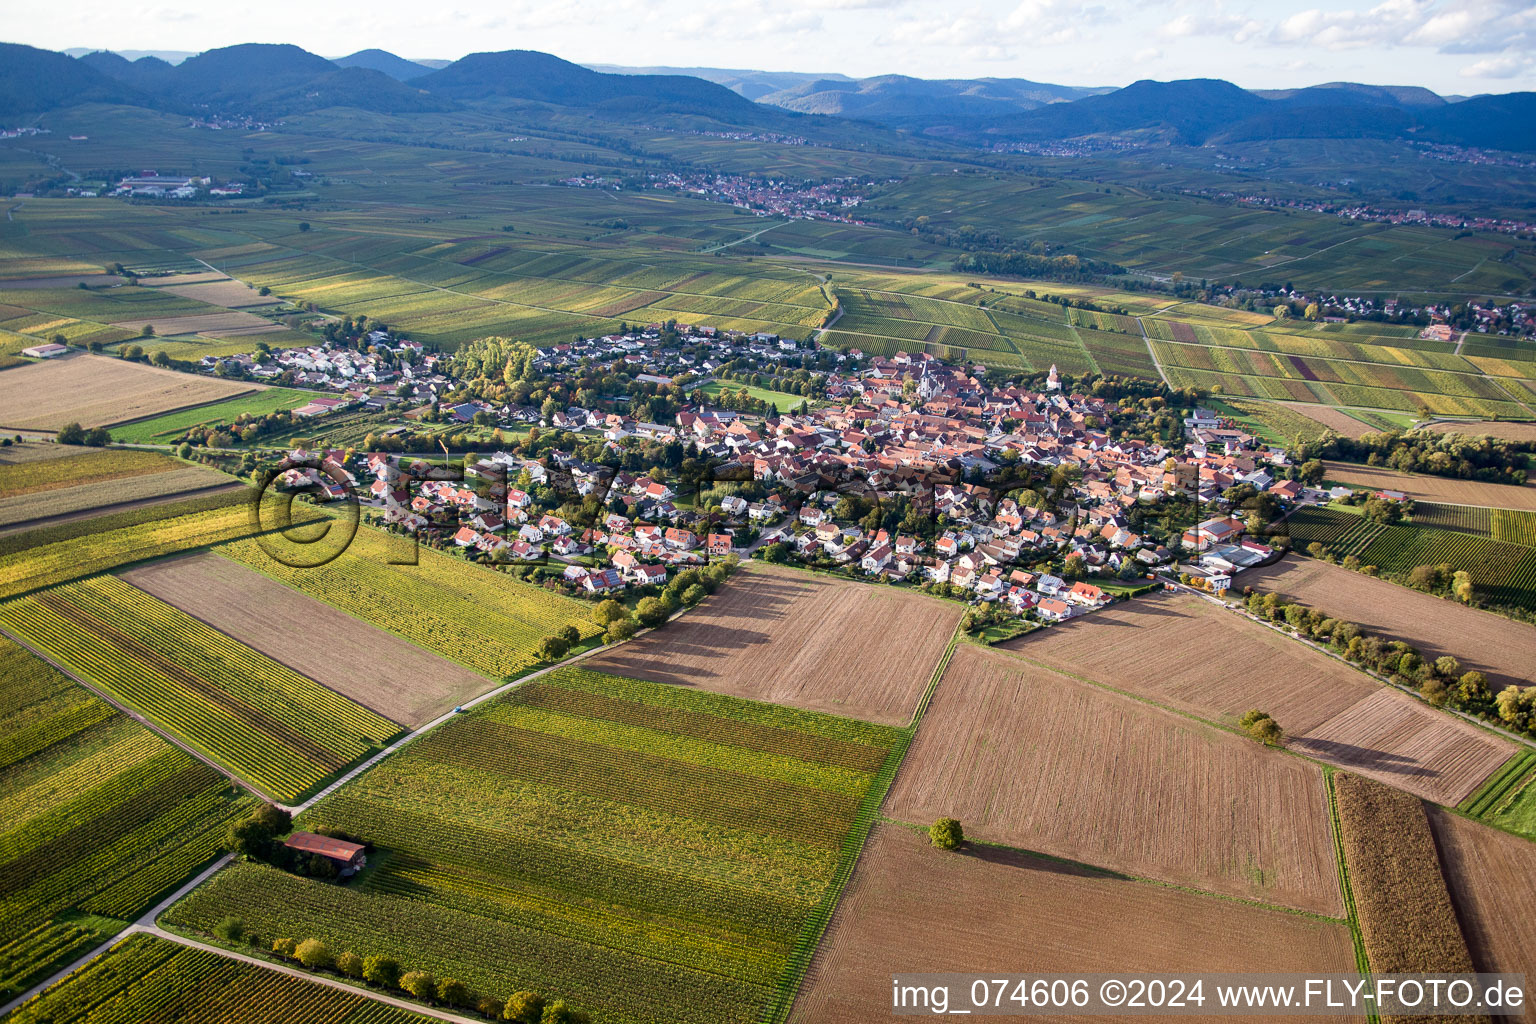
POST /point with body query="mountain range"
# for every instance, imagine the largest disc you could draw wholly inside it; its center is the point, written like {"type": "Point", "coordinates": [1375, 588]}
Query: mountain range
{"type": "Point", "coordinates": [278, 80]}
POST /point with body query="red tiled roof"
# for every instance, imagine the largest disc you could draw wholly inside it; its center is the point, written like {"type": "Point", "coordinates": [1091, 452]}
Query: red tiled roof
{"type": "Point", "coordinates": [325, 846]}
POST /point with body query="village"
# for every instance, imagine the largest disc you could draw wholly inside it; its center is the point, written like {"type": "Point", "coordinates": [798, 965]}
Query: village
{"type": "Point", "coordinates": [1041, 502]}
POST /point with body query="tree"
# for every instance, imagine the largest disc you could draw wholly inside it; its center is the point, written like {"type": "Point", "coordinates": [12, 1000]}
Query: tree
{"type": "Point", "coordinates": [608, 612]}
{"type": "Point", "coordinates": [1462, 587]}
{"type": "Point", "coordinates": [553, 648]}
{"type": "Point", "coordinates": [558, 1013]}
{"type": "Point", "coordinates": [1472, 687]}
{"type": "Point", "coordinates": [147, 332]}
{"type": "Point", "coordinates": [255, 834]}
{"type": "Point", "coordinates": [777, 553]}
{"type": "Point", "coordinates": [162, 360]}
{"type": "Point", "coordinates": [419, 984]}
{"type": "Point", "coordinates": [70, 433]}
{"type": "Point", "coordinates": [1261, 727]}
{"type": "Point", "coordinates": [133, 352]}
{"type": "Point", "coordinates": [231, 929]}
{"type": "Point", "coordinates": [314, 954]}
{"type": "Point", "coordinates": [350, 964]}
{"type": "Point", "coordinates": [98, 437]}
{"type": "Point", "coordinates": [381, 971]}
{"type": "Point", "coordinates": [946, 834]}
{"type": "Point", "coordinates": [693, 595]}
{"type": "Point", "coordinates": [184, 451]}
{"type": "Point", "coordinates": [303, 225]}
{"type": "Point", "coordinates": [284, 947]}
{"type": "Point", "coordinates": [264, 291]}
{"type": "Point", "coordinates": [453, 992]}
{"type": "Point", "coordinates": [490, 1006]}
{"type": "Point", "coordinates": [651, 612]}
{"type": "Point", "coordinates": [620, 630]}
{"type": "Point", "coordinates": [524, 1007]}
{"type": "Point", "coordinates": [1074, 565]}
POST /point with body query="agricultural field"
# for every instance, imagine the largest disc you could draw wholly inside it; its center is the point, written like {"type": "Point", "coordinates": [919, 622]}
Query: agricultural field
{"type": "Point", "coordinates": [1406, 917]}
{"type": "Point", "coordinates": [82, 483]}
{"type": "Point", "coordinates": [360, 661]}
{"type": "Point", "coordinates": [477, 617]}
{"type": "Point", "coordinates": [148, 978]}
{"type": "Point", "coordinates": [1500, 648]}
{"type": "Point", "coordinates": [1285, 423]}
{"type": "Point", "coordinates": [1023, 914]}
{"type": "Point", "coordinates": [646, 852]}
{"type": "Point", "coordinates": [49, 555]}
{"type": "Point", "coordinates": [1508, 799]}
{"type": "Point", "coordinates": [1421, 487]}
{"type": "Point", "coordinates": [269, 725]}
{"type": "Point", "coordinates": [1329, 711]}
{"type": "Point", "coordinates": [1002, 747]}
{"type": "Point", "coordinates": [99, 391]}
{"type": "Point", "coordinates": [169, 427]}
{"type": "Point", "coordinates": [1504, 574]}
{"type": "Point", "coordinates": [1488, 873]}
{"type": "Point", "coordinates": [100, 817]}
{"type": "Point", "coordinates": [1503, 430]}
{"type": "Point", "coordinates": [795, 638]}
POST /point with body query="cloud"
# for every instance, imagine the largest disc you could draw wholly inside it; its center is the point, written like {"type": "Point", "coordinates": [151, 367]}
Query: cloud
{"type": "Point", "coordinates": [1506, 65]}
{"type": "Point", "coordinates": [1212, 23]}
{"type": "Point", "coordinates": [1149, 53]}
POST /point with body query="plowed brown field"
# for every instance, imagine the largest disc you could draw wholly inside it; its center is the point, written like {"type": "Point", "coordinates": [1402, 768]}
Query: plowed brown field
{"type": "Point", "coordinates": [1182, 651]}
{"type": "Point", "coordinates": [1501, 648]}
{"type": "Point", "coordinates": [373, 667]}
{"type": "Point", "coordinates": [1433, 488]}
{"type": "Point", "coordinates": [790, 637]}
{"type": "Point", "coordinates": [1490, 875]}
{"type": "Point", "coordinates": [1506, 430]}
{"type": "Point", "coordinates": [99, 391]}
{"type": "Point", "coordinates": [912, 908]}
{"type": "Point", "coordinates": [1034, 759]}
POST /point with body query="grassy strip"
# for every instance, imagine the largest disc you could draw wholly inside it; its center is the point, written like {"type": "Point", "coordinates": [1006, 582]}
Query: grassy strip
{"type": "Point", "coordinates": [28, 539]}
{"type": "Point", "coordinates": [1362, 960]}
{"type": "Point", "coordinates": [1497, 786]}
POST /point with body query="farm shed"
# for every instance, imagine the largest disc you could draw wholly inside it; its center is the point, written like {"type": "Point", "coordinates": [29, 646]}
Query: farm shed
{"type": "Point", "coordinates": [347, 857]}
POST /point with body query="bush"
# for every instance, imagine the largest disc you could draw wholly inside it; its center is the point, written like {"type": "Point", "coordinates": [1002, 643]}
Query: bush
{"type": "Point", "coordinates": [650, 612]}
{"type": "Point", "coordinates": [608, 612]}
{"type": "Point", "coordinates": [524, 1007]}
{"type": "Point", "coordinates": [419, 984]}
{"type": "Point", "coordinates": [382, 971]}
{"type": "Point", "coordinates": [231, 929]}
{"type": "Point", "coordinates": [946, 834]}
{"type": "Point", "coordinates": [453, 992]}
{"type": "Point", "coordinates": [350, 964]}
{"type": "Point", "coordinates": [314, 954]}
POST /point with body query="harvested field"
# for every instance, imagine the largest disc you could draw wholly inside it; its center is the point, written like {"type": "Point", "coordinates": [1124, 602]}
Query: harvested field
{"type": "Point", "coordinates": [1500, 648]}
{"type": "Point", "coordinates": [34, 451]}
{"type": "Point", "coordinates": [1489, 875]}
{"type": "Point", "coordinates": [1034, 759]}
{"type": "Point", "coordinates": [1406, 918]}
{"type": "Point", "coordinates": [230, 294]}
{"type": "Point", "coordinates": [120, 505]}
{"type": "Point", "coordinates": [1504, 429]}
{"type": "Point", "coordinates": [1189, 654]}
{"type": "Point", "coordinates": [373, 667]}
{"type": "Point", "coordinates": [1335, 419]}
{"type": "Point", "coordinates": [910, 907]}
{"type": "Point", "coordinates": [1433, 488]}
{"type": "Point", "coordinates": [167, 325]}
{"type": "Point", "coordinates": [793, 638]}
{"type": "Point", "coordinates": [100, 391]}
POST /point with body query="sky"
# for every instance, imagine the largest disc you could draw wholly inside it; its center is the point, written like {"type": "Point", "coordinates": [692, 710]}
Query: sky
{"type": "Point", "coordinates": [1450, 46]}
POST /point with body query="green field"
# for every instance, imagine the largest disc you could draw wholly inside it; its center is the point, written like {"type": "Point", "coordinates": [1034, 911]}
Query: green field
{"type": "Point", "coordinates": [783, 401]}
{"type": "Point", "coordinates": [649, 853]}
{"type": "Point", "coordinates": [1508, 798]}
{"type": "Point", "coordinates": [169, 428]}
{"type": "Point", "coordinates": [100, 817]}
{"type": "Point", "coordinates": [147, 978]}
{"type": "Point", "coordinates": [271, 726]}
{"type": "Point", "coordinates": [469, 614]}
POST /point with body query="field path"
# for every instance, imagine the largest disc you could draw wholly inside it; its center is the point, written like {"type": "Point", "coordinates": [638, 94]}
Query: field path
{"type": "Point", "coordinates": [744, 238]}
{"type": "Point", "coordinates": [1153, 352]}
